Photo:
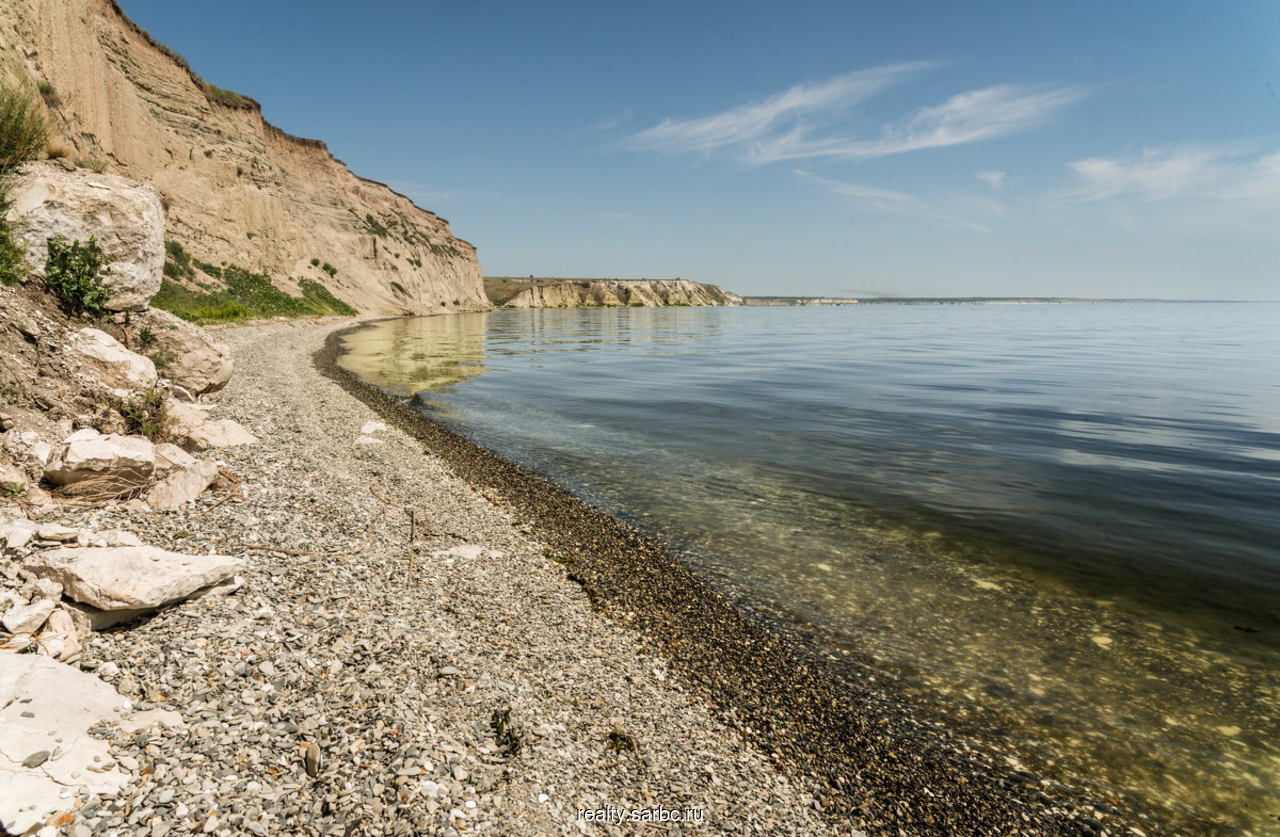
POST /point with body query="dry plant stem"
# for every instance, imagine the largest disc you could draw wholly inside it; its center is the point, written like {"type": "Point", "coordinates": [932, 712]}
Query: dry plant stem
{"type": "Point", "coordinates": [413, 540]}
{"type": "Point", "coordinates": [358, 549]}
{"type": "Point", "coordinates": [235, 489]}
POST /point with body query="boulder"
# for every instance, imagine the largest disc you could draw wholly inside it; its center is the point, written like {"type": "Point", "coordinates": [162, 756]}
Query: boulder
{"type": "Point", "coordinates": [46, 710]}
{"type": "Point", "coordinates": [130, 577]}
{"type": "Point", "coordinates": [123, 215]}
{"type": "Point", "coordinates": [27, 619]}
{"type": "Point", "coordinates": [171, 456]}
{"type": "Point", "coordinates": [195, 431]}
{"type": "Point", "coordinates": [87, 454]}
{"type": "Point", "coordinates": [196, 362]}
{"type": "Point", "coordinates": [116, 366]}
{"type": "Point", "coordinates": [178, 488]}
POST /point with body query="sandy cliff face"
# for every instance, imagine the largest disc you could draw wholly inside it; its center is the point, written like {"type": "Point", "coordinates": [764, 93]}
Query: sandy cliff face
{"type": "Point", "coordinates": [649, 293]}
{"type": "Point", "coordinates": [236, 188]}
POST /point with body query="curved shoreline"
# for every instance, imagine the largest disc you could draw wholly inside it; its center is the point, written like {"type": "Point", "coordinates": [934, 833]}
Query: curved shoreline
{"type": "Point", "coordinates": [868, 757]}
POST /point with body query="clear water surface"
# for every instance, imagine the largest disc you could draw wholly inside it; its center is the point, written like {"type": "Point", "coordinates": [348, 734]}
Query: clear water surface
{"type": "Point", "coordinates": [1057, 525]}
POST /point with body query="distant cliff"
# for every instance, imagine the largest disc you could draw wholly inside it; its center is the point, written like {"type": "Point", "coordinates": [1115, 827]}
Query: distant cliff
{"type": "Point", "coordinates": [606, 293]}
{"type": "Point", "coordinates": [236, 189]}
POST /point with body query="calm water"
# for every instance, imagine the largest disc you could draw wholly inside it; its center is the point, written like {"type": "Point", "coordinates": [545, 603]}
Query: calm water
{"type": "Point", "coordinates": [1058, 525]}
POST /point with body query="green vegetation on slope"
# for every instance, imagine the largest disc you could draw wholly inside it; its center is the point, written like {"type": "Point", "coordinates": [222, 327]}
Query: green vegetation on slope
{"type": "Point", "coordinates": [245, 295]}
{"type": "Point", "coordinates": [23, 135]}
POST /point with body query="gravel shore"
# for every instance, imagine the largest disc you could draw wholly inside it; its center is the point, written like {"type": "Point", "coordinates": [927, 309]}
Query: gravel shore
{"type": "Point", "coordinates": [527, 659]}
{"type": "Point", "coordinates": [477, 692]}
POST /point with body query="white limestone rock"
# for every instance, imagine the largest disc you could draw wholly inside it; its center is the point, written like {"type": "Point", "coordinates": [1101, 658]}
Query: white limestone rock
{"type": "Point", "coordinates": [87, 453]}
{"type": "Point", "coordinates": [116, 366]}
{"type": "Point", "coordinates": [27, 619]}
{"type": "Point", "coordinates": [200, 364]}
{"type": "Point", "coordinates": [63, 702]}
{"type": "Point", "coordinates": [131, 577]}
{"type": "Point", "coordinates": [123, 215]}
{"type": "Point", "coordinates": [195, 431]}
{"type": "Point", "coordinates": [182, 486]}
{"type": "Point", "coordinates": [169, 456]}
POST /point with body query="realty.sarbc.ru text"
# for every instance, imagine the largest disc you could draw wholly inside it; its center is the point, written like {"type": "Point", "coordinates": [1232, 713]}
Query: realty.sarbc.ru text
{"type": "Point", "coordinates": [618, 816]}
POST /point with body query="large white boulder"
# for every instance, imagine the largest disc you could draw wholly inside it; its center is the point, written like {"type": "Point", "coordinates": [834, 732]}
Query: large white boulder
{"type": "Point", "coordinates": [131, 577]}
{"type": "Point", "coordinates": [116, 366]}
{"type": "Point", "coordinates": [125, 217]}
{"type": "Point", "coordinates": [46, 708]}
{"type": "Point", "coordinates": [195, 431]}
{"type": "Point", "coordinates": [87, 454]}
{"type": "Point", "coordinates": [196, 362]}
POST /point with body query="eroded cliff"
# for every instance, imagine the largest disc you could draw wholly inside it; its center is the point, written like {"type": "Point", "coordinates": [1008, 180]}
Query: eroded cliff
{"type": "Point", "coordinates": [606, 293]}
{"type": "Point", "coordinates": [236, 189]}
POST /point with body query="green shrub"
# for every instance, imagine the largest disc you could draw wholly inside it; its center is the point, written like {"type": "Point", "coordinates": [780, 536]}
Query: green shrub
{"type": "Point", "coordinates": [71, 272]}
{"type": "Point", "coordinates": [92, 164]}
{"type": "Point", "coordinates": [146, 338]}
{"type": "Point", "coordinates": [163, 358]}
{"type": "Point", "coordinates": [13, 259]}
{"type": "Point", "coordinates": [329, 269]}
{"type": "Point", "coordinates": [23, 133]}
{"type": "Point", "coordinates": [145, 415]}
{"type": "Point", "coordinates": [46, 89]}
{"type": "Point", "coordinates": [315, 262]}
{"type": "Point", "coordinates": [398, 288]}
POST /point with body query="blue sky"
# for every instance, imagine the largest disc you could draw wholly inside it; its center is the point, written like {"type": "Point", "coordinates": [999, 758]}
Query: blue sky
{"type": "Point", "coordinates": [826, 148]}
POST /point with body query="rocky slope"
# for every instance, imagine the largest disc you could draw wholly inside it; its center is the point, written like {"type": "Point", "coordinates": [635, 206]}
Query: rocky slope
{"type": "Point", "coordinates": [236, 189]}
{"type": "Point", "coordinates": [608, 293]}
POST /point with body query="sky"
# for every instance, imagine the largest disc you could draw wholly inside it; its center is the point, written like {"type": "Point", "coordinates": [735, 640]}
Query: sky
{"type": "Point", "coordinates": [1088, 149]}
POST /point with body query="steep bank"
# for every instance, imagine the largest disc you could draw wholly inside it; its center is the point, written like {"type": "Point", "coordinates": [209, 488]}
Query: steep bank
{"type": "Point", "coordinates": [236, 188]}
{"type": "Point", "coordinates": [511, 292]}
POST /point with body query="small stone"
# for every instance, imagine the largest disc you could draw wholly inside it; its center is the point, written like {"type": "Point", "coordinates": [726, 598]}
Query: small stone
{"type": "Point", "coordinates": [36, 759]}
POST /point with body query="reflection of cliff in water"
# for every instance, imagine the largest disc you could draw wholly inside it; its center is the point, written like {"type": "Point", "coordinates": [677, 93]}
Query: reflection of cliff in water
{"type": "Point", "coordinates": [417, 354]}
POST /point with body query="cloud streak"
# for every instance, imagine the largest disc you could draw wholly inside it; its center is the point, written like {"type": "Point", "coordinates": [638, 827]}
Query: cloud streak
{"type": "Point", "coordinates": [798, 123]}
{"type": "Point", "coordinates": [1161, 174]}
{"type": "Point", "coordinates": [756, 121]}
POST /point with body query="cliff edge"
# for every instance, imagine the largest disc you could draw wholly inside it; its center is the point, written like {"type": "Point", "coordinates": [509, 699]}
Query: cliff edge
{"type": "Point", "coordinates": [236, 189]}
{"type": "Point", "coordinates": [512, 292]}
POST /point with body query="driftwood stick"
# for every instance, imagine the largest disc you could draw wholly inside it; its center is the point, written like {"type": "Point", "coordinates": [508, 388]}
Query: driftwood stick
{"type": "Point", "coordinates": [355, 551]}
{"type": "Point", "coordinates": [235, 489]}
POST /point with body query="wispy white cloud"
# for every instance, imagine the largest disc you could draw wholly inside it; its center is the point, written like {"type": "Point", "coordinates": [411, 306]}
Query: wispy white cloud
{"type": "Point", "coordinates": [796, 124]}
{"type": "Point", "coordinates": [1160, 174]}
{"type": "Point", "coordinates": [1156, 174]}
{"type": "Point", "coordinates": [893, 202]}
{"type": "Point", "coordinates": [994, 179]}
{"type": "Point", "coordinates": [756, 121]}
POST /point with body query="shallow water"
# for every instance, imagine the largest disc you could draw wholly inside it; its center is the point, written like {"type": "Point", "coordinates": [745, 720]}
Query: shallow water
{"type": "Point", "coordinates": [1058, 525]}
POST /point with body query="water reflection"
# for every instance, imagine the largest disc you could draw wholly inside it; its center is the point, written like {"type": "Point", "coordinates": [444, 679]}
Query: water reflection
{"type": "Point", "coordinates": [418, 354]}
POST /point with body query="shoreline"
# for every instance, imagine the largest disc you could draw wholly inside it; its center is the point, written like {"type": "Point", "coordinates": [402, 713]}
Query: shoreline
{"type": "Point", "coordinates": [870, 758]}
